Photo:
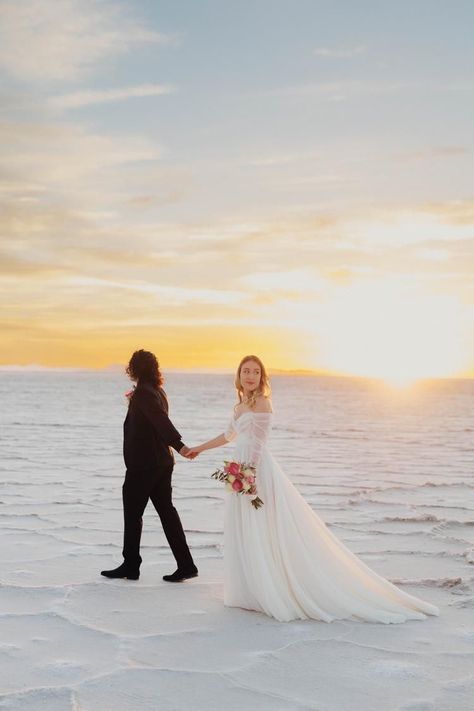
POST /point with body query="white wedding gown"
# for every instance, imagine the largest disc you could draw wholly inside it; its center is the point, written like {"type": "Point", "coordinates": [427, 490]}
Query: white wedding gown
{"type": "Point", "coordinates": [281, 559]}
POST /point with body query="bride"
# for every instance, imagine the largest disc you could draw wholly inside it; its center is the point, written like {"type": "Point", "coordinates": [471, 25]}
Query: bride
{"type": "Point", "coordinates": [282, 559]}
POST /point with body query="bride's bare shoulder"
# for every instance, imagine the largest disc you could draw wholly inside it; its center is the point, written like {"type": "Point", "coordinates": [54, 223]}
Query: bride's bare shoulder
{"type": "Point", "coordinates": [263, 404]}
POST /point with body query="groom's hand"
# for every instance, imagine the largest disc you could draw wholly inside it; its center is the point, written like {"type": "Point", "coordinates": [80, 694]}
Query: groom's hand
{"type": "Point", "coordinates": [187, 453]}
{"type": "Point", "coordinates": [193, 453]}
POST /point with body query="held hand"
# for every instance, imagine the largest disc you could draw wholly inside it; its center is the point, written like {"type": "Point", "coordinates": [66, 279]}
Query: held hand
{"type": "Point", "coordinates": [193, 453]}
{"type": "Point", "coordinates": [188, 453]}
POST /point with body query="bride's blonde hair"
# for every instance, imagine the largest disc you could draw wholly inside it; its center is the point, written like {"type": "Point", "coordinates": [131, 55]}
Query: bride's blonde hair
{"type": "Point", "coordinates": [263, 386]}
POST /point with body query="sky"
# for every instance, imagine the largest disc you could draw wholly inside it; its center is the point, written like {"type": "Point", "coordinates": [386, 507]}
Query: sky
{"type": "Point", "coordinates": [209, 179]}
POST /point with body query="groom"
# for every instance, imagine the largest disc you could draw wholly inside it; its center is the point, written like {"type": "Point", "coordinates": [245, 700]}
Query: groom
{"type": "Point", "coordinates": [148, 437]}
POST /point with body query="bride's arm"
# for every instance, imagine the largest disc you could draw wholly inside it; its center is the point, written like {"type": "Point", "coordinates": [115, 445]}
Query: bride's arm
{"type": "Point", "coordinates": [219, 441]}
{"type": "Point", "coordinates": [211, 444]}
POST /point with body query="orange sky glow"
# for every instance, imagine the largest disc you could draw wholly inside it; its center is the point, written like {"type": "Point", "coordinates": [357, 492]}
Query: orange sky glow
{"type": "Point", "coordinates": [311, 212]}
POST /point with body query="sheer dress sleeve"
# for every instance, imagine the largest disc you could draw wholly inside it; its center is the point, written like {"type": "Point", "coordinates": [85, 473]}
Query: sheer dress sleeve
{"type": "Point", "coordinates": [230, 432]}
{"type": "Point", "coordinates": [261, 426]}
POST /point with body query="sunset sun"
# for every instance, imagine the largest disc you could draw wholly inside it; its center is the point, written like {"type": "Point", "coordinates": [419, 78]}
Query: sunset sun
{"type": "Point", "coordinates": [394, 332]}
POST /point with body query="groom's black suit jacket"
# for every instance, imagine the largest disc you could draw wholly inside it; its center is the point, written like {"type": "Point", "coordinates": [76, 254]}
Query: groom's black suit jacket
{"type": "Point", "coordinates": [148, 433]}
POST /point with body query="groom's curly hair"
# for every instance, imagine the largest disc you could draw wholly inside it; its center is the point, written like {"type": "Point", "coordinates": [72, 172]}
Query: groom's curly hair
{"type": "Point", "coordinates": [144, 366]}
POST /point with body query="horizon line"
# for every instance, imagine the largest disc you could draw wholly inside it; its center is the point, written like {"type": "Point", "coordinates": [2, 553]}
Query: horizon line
{"type": "Point", "coordinates": [203, 370]}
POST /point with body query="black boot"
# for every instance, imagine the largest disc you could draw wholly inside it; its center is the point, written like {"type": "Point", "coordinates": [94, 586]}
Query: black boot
{"type": "Point", "coordinates": [123, 571]}
{"type": "Point", "coordinates": [179, 575]}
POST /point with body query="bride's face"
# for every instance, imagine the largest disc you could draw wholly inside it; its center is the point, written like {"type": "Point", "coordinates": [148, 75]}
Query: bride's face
{"type": "Point", "coordinates": [250, 375]}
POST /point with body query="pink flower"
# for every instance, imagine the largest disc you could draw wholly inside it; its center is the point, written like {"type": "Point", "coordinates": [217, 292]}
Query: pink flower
{"type": "Point", "coordinates": [234, 468]}
{"type": "Point", "coordinates": [239, 478]}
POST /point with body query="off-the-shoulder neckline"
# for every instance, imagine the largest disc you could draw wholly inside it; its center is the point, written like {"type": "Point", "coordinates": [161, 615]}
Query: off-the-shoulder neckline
{"type": "Point", "coordinates": [251, 413]}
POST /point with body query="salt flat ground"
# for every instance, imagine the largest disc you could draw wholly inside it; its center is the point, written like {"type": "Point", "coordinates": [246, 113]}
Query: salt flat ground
{"type": "Point", "coordinates": [391, 473]}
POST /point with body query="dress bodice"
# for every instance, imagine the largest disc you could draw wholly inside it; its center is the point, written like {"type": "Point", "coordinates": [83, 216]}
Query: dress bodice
{"type": "Point", "coordinates": [251, 429]}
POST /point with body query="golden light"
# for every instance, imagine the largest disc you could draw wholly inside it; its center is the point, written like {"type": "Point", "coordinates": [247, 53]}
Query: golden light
{"type": "Point", "coordinates": [392, 331]}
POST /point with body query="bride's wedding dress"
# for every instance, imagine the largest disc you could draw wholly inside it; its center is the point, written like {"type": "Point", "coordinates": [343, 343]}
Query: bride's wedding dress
{"type": "Point", "coordinates": [283, 560]}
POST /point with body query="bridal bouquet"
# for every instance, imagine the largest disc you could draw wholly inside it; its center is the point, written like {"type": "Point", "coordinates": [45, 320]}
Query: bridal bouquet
{"type": "Point", "coordinates": [240, 479]}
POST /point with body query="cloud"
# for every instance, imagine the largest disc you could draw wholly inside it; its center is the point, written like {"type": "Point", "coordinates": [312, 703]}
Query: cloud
{"type": "Point", "coordinates": [43, 41]}
{"type": "Point", "coordinates": [399, 227]}
{"type": "Point", "coordinates": [436, 152]}
{"type": "Point", "coordinates": [80, 99]}
{"type": "Point", "coordinates": [115, 176]}
{"type": "Point", "coordinates": [42, 234]}
{"type": "Point", "coordinates": [170, 294]}
{"type": "Point", "coordinates": [455, 212]}
{"type": "Point", "coordinates": [302, 282]}
{"type": "Point", "coordinates": [277, 159]}
{"type": "Point", "coordinates": [67, 162]}
{"type": "Point", "coordinates": [66, 272]}
{"type": "Point", "coordinates": [339, 53]}
{"type": "Point", "coordinates": [339, 91]}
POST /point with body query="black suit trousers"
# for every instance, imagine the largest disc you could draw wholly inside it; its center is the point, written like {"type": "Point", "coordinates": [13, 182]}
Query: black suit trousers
{"type": "Point", "coordinates": [138, 488]}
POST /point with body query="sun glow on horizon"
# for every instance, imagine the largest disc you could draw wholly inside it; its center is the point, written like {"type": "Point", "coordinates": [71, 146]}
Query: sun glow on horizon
{"type": "Point", "coordinates": [393, 332]}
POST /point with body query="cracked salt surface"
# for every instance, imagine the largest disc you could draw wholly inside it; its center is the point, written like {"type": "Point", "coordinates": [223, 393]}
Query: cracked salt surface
{"type": "Point", "coordinates": [397, 488]}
